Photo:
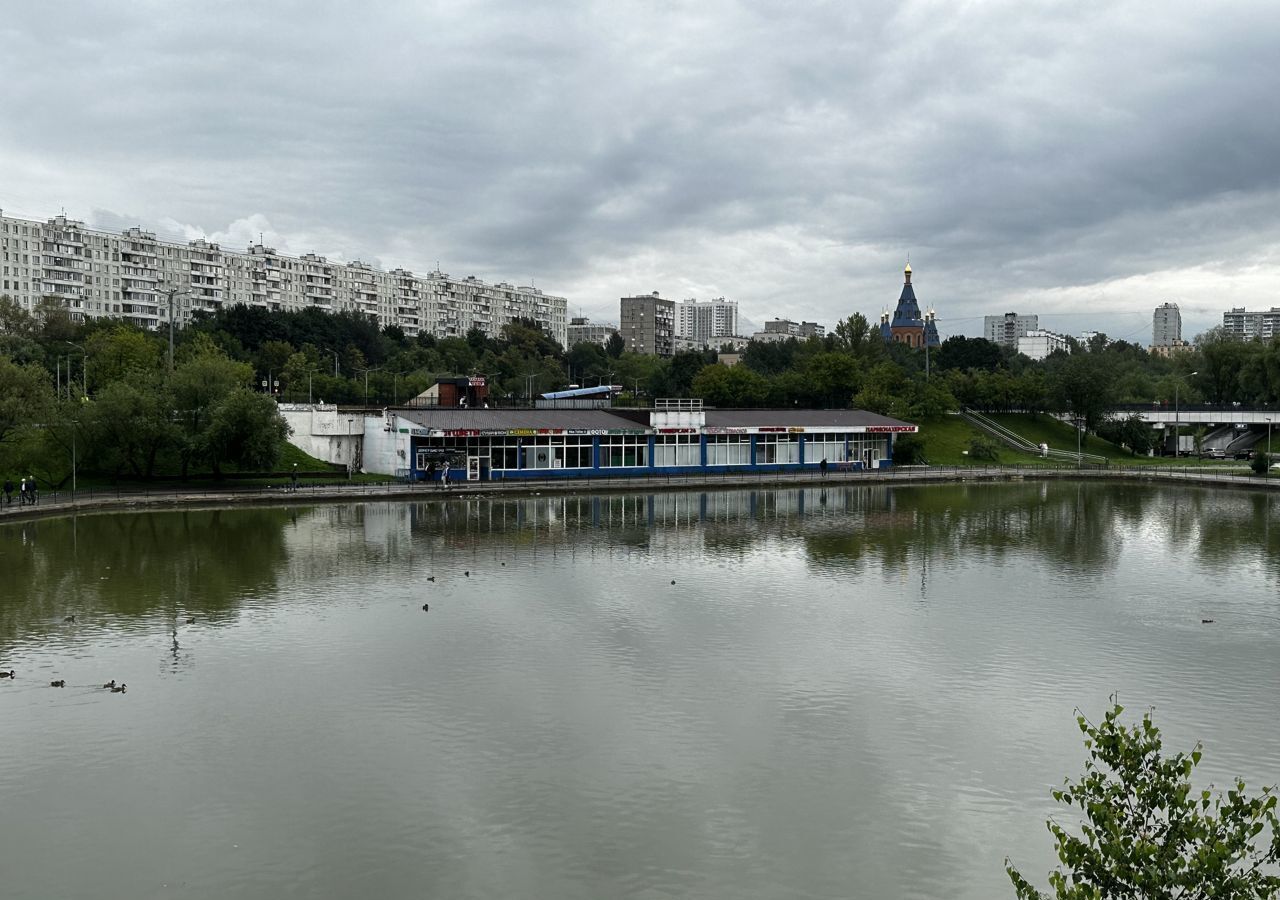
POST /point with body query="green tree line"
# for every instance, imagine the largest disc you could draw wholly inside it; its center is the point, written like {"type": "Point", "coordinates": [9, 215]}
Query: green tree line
{"type": "Point", "coordinates": [108, 384]}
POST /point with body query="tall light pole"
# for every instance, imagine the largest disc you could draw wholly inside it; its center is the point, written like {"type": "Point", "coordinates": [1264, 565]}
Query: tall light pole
{"type": "Point", "coordinates": [366, 381]}
{"type": "Point", "coordinates": [1177, 424]}
{"type": "Point", "coordinates": [84, 368]}
{"type": "Point", "coordinates": [335, 359]}
{"type": "Point", "coordinates": [172, 291]}
{"type": "Point", "coordinates": [1267, 471]}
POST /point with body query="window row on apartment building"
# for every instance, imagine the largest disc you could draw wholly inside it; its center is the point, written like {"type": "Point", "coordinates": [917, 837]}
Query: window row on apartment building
{"type": "Point", "coordinates": [136, 277]}
{"type": "Point", "coordinates": [1243, 323]}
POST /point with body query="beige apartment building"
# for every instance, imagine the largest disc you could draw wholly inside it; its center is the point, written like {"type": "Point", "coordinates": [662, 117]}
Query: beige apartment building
{"type": "Point", "coordinates": [647, 324]}
{"type": "Point", "coordinates": [136, 277]}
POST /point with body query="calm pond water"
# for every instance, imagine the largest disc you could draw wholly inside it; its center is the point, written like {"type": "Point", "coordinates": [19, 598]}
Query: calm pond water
{"type": "Point", "coordinates": [856, 692]}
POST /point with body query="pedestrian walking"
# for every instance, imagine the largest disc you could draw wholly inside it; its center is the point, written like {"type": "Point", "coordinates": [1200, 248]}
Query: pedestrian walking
{"type": "Point", "coordinates": [31, 487]}
{"type": "Point", "coordinates": [22, 492]}
{"type": "Point", "coordinates": [8, 492]}
{"type": "Point", "coordinates": [822, 467]}
{"type": "Point", "coordinates": [293, 479]}
{"type": "Point", "coordinates": [444, 477]}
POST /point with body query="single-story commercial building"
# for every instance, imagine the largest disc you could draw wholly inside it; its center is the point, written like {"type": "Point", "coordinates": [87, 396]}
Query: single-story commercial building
{"type": "Point", "coordinates": [679, 438]}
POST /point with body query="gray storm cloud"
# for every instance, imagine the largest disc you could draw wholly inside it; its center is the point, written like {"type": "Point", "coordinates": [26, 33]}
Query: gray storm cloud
{"type": "Point", "coordinates": [1083, 161]}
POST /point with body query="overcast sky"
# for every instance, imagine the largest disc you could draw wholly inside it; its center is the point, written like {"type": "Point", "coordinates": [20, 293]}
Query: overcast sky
{"type": "Point", "coordinates": [1083, 160]}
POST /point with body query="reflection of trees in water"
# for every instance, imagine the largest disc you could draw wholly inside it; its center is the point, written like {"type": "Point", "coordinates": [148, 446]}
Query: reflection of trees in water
{"type": "Point", "coordinates": [206, 560]}
{"type": "Point", "coordinates": [1071, 524]}
{"type": "Point", "coordinates": [1233, 529]}
{"type": "Point", "coordinates": [196, 561]}
{"type": "Point", "coordinates": [1074, 525]}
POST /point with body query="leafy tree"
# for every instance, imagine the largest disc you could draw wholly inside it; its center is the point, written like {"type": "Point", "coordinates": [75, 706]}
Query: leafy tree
{"type": "Point", "coordinates": [246, 430]}
{"type": "Point", "coordinates": [14, 319]}
{"type": "Point", "coordinates": [122, 353]}
{"type": "Point", "coordinates": [615, 345]}
{"type": "Point", "coordinates": [1260, 463]}
{"type": "Point", "coordinates": [1130, 431]}
{"type": "Point", "coordinates": [1148, 834]}
{"type": "Point", "coordinates": [199, 384]}
{"type": "Point", "coordinates": [730, 387]}
{"type": "Point", "coordinates": [1222, 358]}
{"type": "Point", "coordinates": [129, 423]}
{"type": "Point", "coordinates": [908, 450]}
{"type": "Point", "coordinates": [26, 397]}
{"type": "Point", "coordinates": [529, 337]}
{"type": "Point", "coordinates": [21, 349]}
{"type": "Point", "coordinates": [857, 337]}
{"type": "Point", "coordinates": [831, 378]}
{"type": "Point", "coordinates": [272, 357]}
{"type": "Point", "coordinates": [55, 322]}
{"type": "Point", "coordinates": [1083, 385]}
{"type": "Point", "coordinates": [675, 379]}
{"type": "Point", "coordinates": [968, 353]}
{"type": "Point", "coordinates": [588, 359]}
{"type": "Point", "coordinates": [771, 357]}
{"type": "Point", "coordinates": [984, 448]}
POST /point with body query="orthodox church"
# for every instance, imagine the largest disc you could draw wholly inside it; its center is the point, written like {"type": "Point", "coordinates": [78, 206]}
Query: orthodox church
{"type": "Point", "coordinates": [908, 325]}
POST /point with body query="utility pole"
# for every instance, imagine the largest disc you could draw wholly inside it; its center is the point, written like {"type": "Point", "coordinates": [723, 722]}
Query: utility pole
{"type": "Point", "coordinates": [84, 368]}
{"type": "Point", "coordinates": [1177, 424]}
{"type": "Point", "coordinates": [172, 291]}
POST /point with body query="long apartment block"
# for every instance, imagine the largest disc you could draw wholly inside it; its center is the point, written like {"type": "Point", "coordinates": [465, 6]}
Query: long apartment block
{"type": "Point", "coordinates": [132, 275]}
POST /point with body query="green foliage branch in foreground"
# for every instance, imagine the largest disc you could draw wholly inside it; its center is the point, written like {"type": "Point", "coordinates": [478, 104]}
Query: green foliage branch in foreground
{"type": "Point", "coordinates": [1148, 834]}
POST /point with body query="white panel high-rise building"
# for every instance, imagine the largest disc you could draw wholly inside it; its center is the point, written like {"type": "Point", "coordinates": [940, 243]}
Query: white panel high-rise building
{"type": "Point", "coordinates": [1243, 323]}
{"type": "Point", "coordinates": [1005, 330]}
{"type": "Point", "coordinates": [1166, 326]}
{"type": "Point", "coordinates": [703, 321]}
{"type": "Point", "coordinates": [96, 274]}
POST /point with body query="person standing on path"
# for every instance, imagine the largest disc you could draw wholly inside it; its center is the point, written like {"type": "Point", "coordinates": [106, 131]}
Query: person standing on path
{"type": "Point", "coordinates": [8, 492]}
{"type": "Point", "coordinates": [22, 492]}
{"type": "Point", "coordinates": [293, 479]}
{"type": "Point", "coordinates": [31, 486]}
{"type": "Point", "coordinates": [822, 467]}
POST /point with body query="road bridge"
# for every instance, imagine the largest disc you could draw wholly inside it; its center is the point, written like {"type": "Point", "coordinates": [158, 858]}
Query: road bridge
{"type": "Point", "coordinates": [1201, 414]}
{"type": "Point", "coordinates": [1233, 429]}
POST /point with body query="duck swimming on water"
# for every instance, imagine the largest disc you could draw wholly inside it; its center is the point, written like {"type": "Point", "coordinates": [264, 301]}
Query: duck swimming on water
{"type": "Point", "coordinates": [110, 684]}
{"type": "Point", "coordinates": [8, 674]}
{"type": "Point", "coordinates": [119, 689]}
{"type": "Point", "coordinates": [62, 682]}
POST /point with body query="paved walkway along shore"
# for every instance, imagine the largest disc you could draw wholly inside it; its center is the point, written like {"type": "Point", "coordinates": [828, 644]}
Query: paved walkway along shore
{"type": "Point", "coordinates": [55, 503]}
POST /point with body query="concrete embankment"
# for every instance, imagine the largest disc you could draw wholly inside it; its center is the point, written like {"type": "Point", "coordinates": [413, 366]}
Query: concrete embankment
{"type": "Point", "coordinates": [84, 502]}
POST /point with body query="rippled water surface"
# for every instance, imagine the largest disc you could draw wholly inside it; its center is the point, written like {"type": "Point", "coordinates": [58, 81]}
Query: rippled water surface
{"type": "Point", "coordinates": [802, 693]}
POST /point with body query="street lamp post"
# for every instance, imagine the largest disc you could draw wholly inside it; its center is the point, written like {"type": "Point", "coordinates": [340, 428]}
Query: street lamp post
{"type": "Point", "coordinates": [172, 291]}
{"type": "Point", "coordinates": [366, 381]}
{"type": "Point", "coordinates": [1177, 424]}
{"type": "Point", "coordinates": [84, 368]}
{"type": "Point", "coordinates": [1267, 471]}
